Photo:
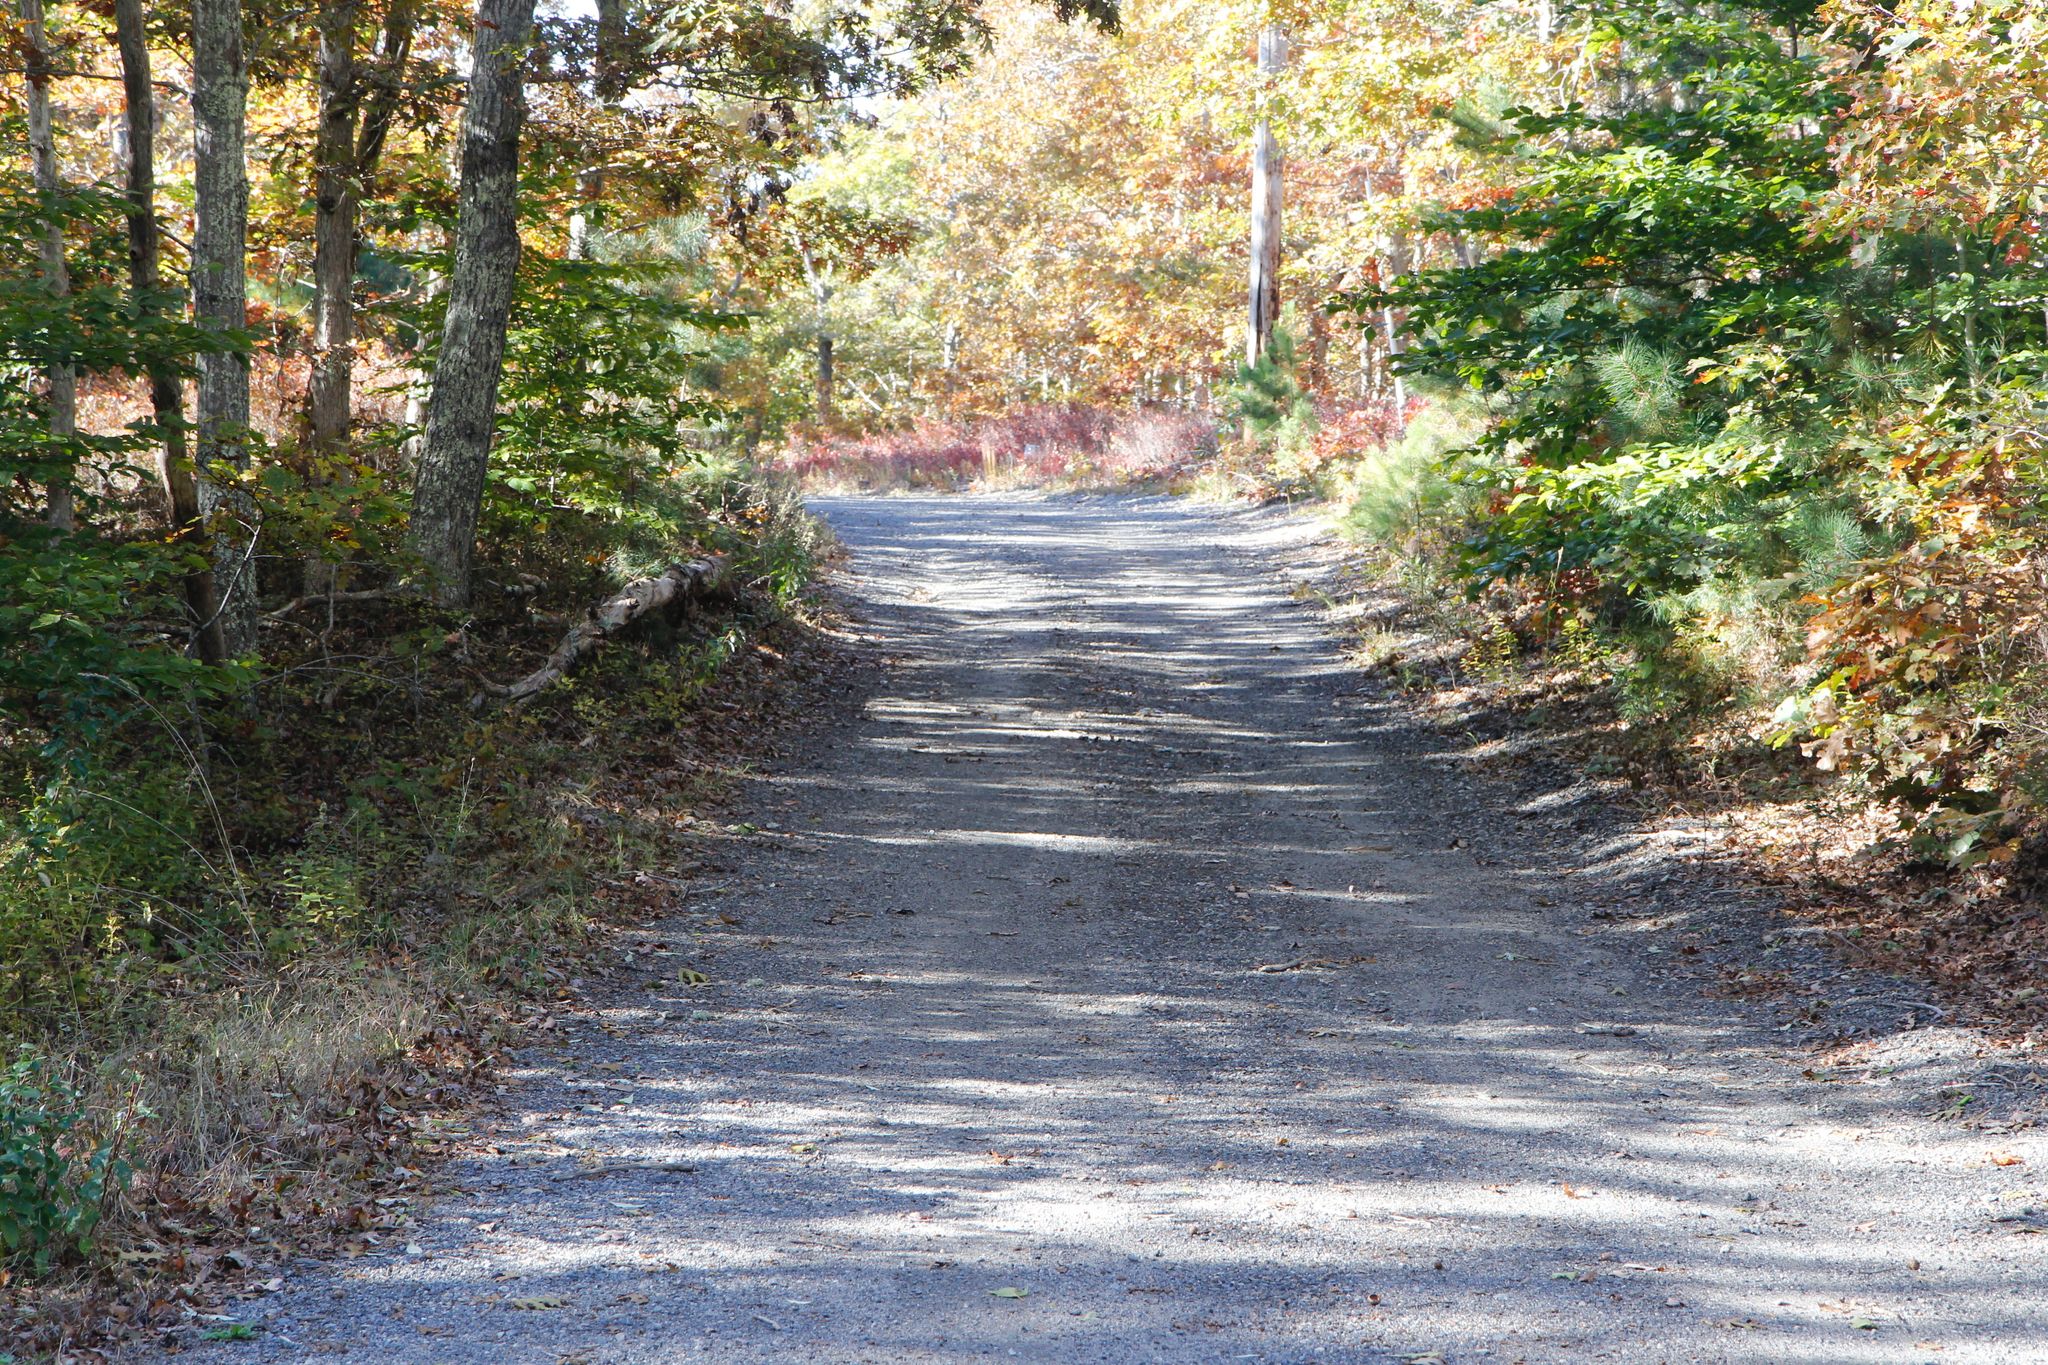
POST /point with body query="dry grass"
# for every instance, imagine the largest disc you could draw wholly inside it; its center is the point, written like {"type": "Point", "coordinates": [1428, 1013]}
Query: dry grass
{"type": "Point", "coordinates": [292, 1095]}
{"type": "Point", "coordinates": [244, 1076]}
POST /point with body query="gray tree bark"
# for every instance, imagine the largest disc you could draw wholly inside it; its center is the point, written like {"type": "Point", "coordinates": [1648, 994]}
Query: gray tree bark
{"type": "Point", "coordinates": [42, 150]}
{"type": "Point", "coordinates": [335, 189]}
{"type": "Point", "coordinates": [145, 279]}
{"type": "Point", "coordinates": [334, 229]}
{"type": "Point", "coordinates": [1263, 303]}
{"type": "Point", "coordinates": [462, 407]}
{"type": "Point", "coordinates": [220, 94]}
{"type": "Point", "coordinates": [827, 400]}
{"type": "Point", "coordinates": [383, 85]}
{"type": "Point", "coordinates": [344, 159]}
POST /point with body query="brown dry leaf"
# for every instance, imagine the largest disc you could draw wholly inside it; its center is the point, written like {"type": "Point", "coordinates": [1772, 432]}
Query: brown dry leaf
{"type": "Point", "coordinates": [2007, 1159]}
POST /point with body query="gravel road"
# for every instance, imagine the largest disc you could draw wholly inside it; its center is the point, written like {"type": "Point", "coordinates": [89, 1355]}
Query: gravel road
{"type": "Point", "coordinates": [1117, 986]}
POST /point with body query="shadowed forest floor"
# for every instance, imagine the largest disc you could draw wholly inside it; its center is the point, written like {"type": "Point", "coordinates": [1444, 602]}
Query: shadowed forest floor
{"type": "Point", "coordinates": [1121, 983]}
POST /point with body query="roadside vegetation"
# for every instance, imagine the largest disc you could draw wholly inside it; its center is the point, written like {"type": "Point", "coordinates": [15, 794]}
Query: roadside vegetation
{"type": "Point", "coordinates": [355, 356]}
{"type": "Point", "coordinates": [1681, 363]}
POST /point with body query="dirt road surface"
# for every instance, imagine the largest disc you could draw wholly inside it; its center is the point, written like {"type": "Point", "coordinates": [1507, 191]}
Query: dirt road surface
{"type": "Point", "coordinates": [1119, 985]}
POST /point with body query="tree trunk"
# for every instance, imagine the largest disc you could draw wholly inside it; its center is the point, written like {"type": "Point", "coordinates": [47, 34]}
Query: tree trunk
{"type": "Point", "coordinates": [1264, 303]}
{"type": "Point", "coordinates": [336, 187]}
{"type": "Point", "coordinates": [1394, 320]}
{"type": "Point", "coordinates": [825, 379]}
{"type": "Point", "coordinates": [334, 230]}
{"type": "Point", "coordinates": [379, 91]}
{"type": "Point", "coordinates": [381, 88]}
{"type": "Point", "coordinates": [42, 150]}
{"type": "Point", "coordinates": [220, 93]}
{"type": "Point", "coordinates": [145, 279]}
{"type": "Point", "coordinates": [1317, 376]}
{"type": "Point", "coordinates": [611, 41]}
{"type": "Point", "coordinates": [607, 86]}
{"type": "Point", "coordinates": [462, 406]}
{"type": "Point", "coordinates": [582, 223]}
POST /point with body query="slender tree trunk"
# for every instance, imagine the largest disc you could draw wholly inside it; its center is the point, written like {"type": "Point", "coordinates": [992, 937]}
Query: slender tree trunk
{"type": "Point", "coordinates": [220, 94]}
{"type": "Point", "coordinates": [1317, 377]}
{"type": "Point", "coordinates": [611, 41]}
{"type": "Point", "coordinates": [821, 298]}
{"type": "Point", "coordinates": [825, 379]}
{"type": "Point", "coordinates": [145, 279]}
{"type": "Point", "coordinates": [42, 150]}
{"type": "Point", "coordinates": [1971, 356]}
{"type": "Point", "coordinates": [607, 86]}
{"type": "Point", "coordinates": [462, 406]}
{"type": "Point", "coordinates": [582, 224]}
{"type": "Point", "coordinates": [379, 89]}
{"type": "Point", "coordinates": [1263, 310]}
{"type": "Point", "coordinates": [419, 384]}
{"type": "Point", "coordinates": [334, 230]}
{"type": "Point", "coordinates": [329, 389]}
{"type": "Point", "coordinates": [1394, 321]}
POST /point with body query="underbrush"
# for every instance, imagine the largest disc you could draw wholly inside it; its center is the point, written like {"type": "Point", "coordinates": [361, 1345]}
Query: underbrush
{"type": "Point", "coordinates": [1848, 678]}
{"type": "Point", "coordinates": [255, 935]}
{"type": "Point", "coordinates": [1060, 446]}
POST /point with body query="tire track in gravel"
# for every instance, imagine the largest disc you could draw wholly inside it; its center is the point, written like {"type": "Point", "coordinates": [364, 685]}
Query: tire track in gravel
{"type": "Point", "coordinates": [1110, 990]}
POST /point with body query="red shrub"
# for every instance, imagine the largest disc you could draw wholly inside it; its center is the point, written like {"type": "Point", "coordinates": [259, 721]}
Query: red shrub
{"type": "Point", "coordinates": [1033, 443]}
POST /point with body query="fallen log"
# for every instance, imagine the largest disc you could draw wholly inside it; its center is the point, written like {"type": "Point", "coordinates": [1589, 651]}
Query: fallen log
{"type": "Point", "coordinates": [643, 596]}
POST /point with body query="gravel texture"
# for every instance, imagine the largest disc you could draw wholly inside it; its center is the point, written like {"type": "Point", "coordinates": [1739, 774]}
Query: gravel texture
{"type": "Point", "coordinates": [1122, 984]}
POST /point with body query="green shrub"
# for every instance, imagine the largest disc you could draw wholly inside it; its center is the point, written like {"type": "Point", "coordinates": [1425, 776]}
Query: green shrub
{"type": "Point", "coordinates": [102, 866]}
{"type": "Point", "coordinates": [1267, 398]}
{"type": "Point", "coordinates": [1401, 489]}
{"type": "Point", "coordinates": [57, 1167]}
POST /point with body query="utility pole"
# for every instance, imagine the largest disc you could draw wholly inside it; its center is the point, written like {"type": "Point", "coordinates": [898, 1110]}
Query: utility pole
{"type": "Point", "coordinates": [1264, 302]}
